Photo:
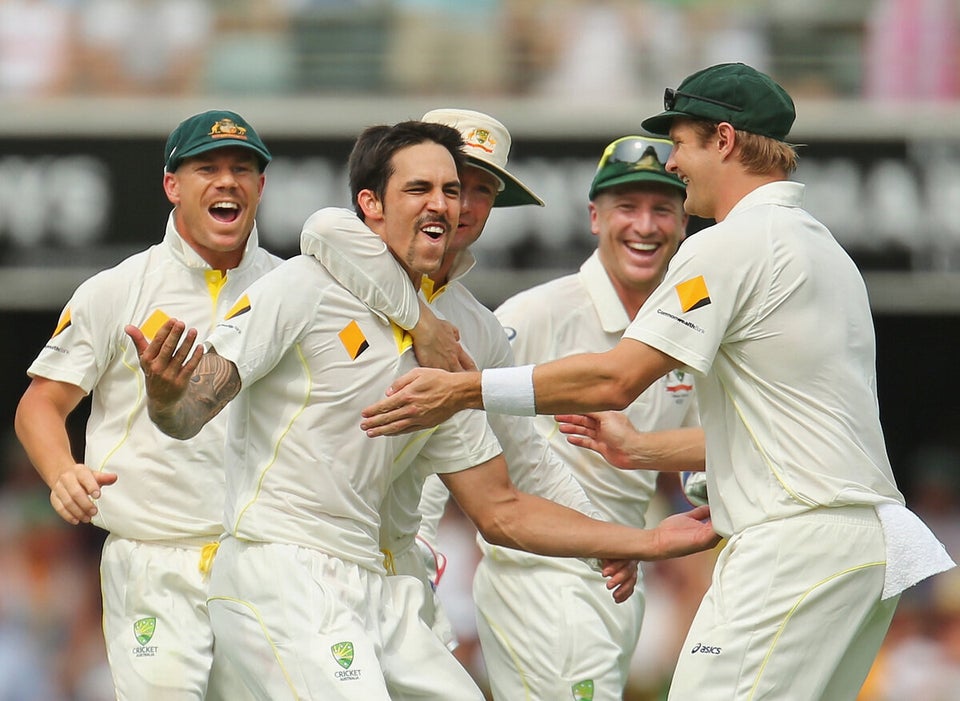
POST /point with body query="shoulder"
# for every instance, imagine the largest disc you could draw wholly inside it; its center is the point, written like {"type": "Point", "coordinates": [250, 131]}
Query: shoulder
{"type": "Point", "coordinates": [458, 301]}
{"type": "Point", "coordinates": [112, 284]}
{"type": "Point", "coordinates": [267, 260]}
{"type": "Point", "coordinates": [555, 298]}
{"type": "Point", "coordinates": [550, 293]}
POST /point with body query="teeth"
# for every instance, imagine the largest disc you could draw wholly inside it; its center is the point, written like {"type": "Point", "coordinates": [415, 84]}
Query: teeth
{"type": "Point", "coordinates": [226, 205]}
{"type": "Point", "coordinates": [438, 230]}
{"type": "Point", "coordinates": [646, 247]}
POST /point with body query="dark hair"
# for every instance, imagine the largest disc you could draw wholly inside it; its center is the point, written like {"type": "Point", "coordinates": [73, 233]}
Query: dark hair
{"type": "Point", "coordinates": [371, 161]}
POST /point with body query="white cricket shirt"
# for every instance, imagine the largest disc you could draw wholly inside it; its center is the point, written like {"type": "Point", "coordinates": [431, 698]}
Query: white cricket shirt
{"type": "Point", "coordinates": [166, 488]}
{"type": "Point", "coordinates": [359, 258]}
{"type": "Point", "coordinates": [773, 316]}
{"type": "Point", "coordinates": [582, 313]}
{"type": "Point", "coordinates": [311, 356]}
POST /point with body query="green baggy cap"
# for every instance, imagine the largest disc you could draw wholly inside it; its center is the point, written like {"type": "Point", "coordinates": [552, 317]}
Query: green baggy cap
{"type": "Point", "coordinates": [208, 131]}
{"type": "Point", "coordinates": [634, 159]}
{"type": "Point", "coordinates": [728, 92]}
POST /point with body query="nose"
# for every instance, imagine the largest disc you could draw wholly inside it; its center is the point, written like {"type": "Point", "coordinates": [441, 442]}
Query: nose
{"type": "Point", "coordinates": [226, 177]}
{"type": "Point", "coordinates": [438, 201]}
{"type": "Point", "coordinates": [643, 222]}
{"type": "Point", "coordinates": [671, 164]}
{"type": "Point", "coordinates": [466, 202]}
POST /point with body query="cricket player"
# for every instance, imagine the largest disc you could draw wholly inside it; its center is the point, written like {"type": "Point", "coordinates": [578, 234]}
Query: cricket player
{"type": "Point", "coordinates": [298, 596]}
{"type": "Point", "coordinates": [772, 316]}
{"type": "Point", "coordinates": [631, 193]}
{"type": "Point", "coordinates": [356, 256]}
{"type": "Point", "coordinates": [636, 213]}
{"type": "Point", "coordinates": [160, 500]}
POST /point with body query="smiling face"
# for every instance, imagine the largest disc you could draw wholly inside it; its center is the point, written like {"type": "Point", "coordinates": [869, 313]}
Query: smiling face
{"type": "Point", "coordinates": [215, 197]}
{"type": "Point", "coordinates": [696, 165]}
{"type": "Point", "coordinates": [639, 227]}
{"type": "Point", "coordinates": [478, 191]}
{"type": "Point", "coordinates": [420, 207]}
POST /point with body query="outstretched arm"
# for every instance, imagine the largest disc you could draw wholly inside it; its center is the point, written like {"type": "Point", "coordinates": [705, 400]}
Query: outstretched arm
{"type": "Point", "coordinates": [578, 383]}
{"type": "Point", "coordinates": [184, 390]}
{"type": "Point", "coordinates": [510, 518]}
{"type": "Point", "coordinates": [40, 425]}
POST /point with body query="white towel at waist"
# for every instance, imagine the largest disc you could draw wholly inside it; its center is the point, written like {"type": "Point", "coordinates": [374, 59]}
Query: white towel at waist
{"type": "Point", "coordinates": [913, 551]}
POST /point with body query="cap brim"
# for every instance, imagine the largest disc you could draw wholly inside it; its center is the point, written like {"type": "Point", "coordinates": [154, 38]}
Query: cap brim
{"type": "Point", "coordinates": [638, 177]}
{"type": "Point", "coordinates": [514, 192]}
{"type": "Point", "coordinates": [263, 157]}
{"type": "Point", "coordinates": [659, 124]}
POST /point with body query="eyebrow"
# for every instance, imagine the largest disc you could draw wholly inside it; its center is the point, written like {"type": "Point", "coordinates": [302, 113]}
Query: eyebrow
{"type": "Point", "coordinates": [418, 182]}
{"type": "Point", "coordinates": [429, 184]}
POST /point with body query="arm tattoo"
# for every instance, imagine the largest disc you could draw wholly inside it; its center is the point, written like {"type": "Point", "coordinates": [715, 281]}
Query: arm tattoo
{"type": "Point", "coordinates": [211, 388]}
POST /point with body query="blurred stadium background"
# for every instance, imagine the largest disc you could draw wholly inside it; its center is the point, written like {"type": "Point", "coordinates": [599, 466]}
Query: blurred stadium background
{"type": "Point", "coordinates": [89, 90]}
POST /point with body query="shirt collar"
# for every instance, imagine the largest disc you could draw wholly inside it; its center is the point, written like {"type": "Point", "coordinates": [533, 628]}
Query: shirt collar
{"type": "Point", "coordinates": [786, 193]}
{"type": "Point", "coordinates": [594, 277]}
{"type": "Point", "coordinates": [463, 264]}
{"type": "Point", "coordinates": [183, 252]}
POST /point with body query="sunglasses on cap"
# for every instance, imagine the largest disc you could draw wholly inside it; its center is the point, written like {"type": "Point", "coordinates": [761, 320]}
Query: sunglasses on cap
{"type": "Point", "coordinates": [631, 150]}
{"type": "Point", "coordinates": [670, 96]}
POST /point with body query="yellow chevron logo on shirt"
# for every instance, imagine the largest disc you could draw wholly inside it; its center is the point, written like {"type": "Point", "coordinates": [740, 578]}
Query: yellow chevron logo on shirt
{"type": "Point", "coordinates": [402, 337]}
{"type": "Point", "coordinates": [153, 324]}
{"type": "Point", "coordinates": [693, 293]}
{"type": "Point", "coordinates": [353, 340]}
{"type": "Point", "coordinates": [430, 289]}
{"type": "Point", "coordinates": [63, 323]}
{"type": "Point", "coordinates": [241, 307]}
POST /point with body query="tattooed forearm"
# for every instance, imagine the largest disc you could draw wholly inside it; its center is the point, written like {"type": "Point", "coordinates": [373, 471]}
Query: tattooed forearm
{"type": "Point", "coordinates": [211, 388]}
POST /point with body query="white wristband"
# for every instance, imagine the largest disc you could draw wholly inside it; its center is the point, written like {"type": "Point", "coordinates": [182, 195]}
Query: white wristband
{"type": "Point", "coordinates": [509, 391]}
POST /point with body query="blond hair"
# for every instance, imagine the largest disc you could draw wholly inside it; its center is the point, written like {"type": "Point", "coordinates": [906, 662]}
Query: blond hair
{"type": "Point", "coordinates": [758, 154]}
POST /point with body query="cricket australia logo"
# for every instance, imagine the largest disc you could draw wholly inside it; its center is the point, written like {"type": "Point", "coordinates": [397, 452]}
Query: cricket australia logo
{"type": "Point", "coordinates": [143, 631]}
{"type": "Point", "coordinates": [343, 654]}
{"type": "Point", "coordinates": [583, 691]}
{"type": "Point", "coordinates": [481, 139]}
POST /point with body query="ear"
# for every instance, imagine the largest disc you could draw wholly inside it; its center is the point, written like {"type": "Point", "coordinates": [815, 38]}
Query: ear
{"type": "Point", "coordinates": [726, 138]}
{"type": "Point", "coordinates": [171, 187]}
{"type": "Point", "coordinates": [370, 204]}
{"type": "Point", "coordinates": [594, 219]}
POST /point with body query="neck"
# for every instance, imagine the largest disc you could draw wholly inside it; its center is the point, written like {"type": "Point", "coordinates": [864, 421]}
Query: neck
{"type": "Point", "coordinates": [631, 298]}
{"type": "Point", "coordinates": [441, 276]}
{"type": "Point", "coordinates": [739, 189]}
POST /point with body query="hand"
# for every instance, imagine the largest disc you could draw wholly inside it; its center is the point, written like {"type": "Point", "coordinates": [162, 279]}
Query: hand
{"type": "Point", "coordinates": [686, 533]}
{"type": "Point", "coordinates": [436, 343]}
{"type": "Point", "coordinates": [607, 433]}
{"type": "Point", "coordinates": [164, 361]}
{"type": "Point", "coordinates": [622, 576]}
{"type": "Point", "coordinates": [72, 495]}
{"type": "Point", "coordinates": [422, 398]}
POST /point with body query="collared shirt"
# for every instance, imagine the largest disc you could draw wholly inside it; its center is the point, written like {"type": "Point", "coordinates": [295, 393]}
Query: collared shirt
{"type": "Point", "coordinates": [582, 313]}
{"type": "Point", "coordinates": [167, 488]}
{"type": "Point", "coordinates": [773, 316]}
{"type": "Point", "coordinates": [358, 257]}
{"type": "Point", "coordinates": [300, 470]}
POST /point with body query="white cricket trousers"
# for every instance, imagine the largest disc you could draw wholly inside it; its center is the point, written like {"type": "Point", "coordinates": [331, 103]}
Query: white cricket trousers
{"type": "Point", "coordinates": [299, 624]}
{"type": "Point", "coordinates": [156, 625]}
{"type": "Point", "coordinates": [793, 612]}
